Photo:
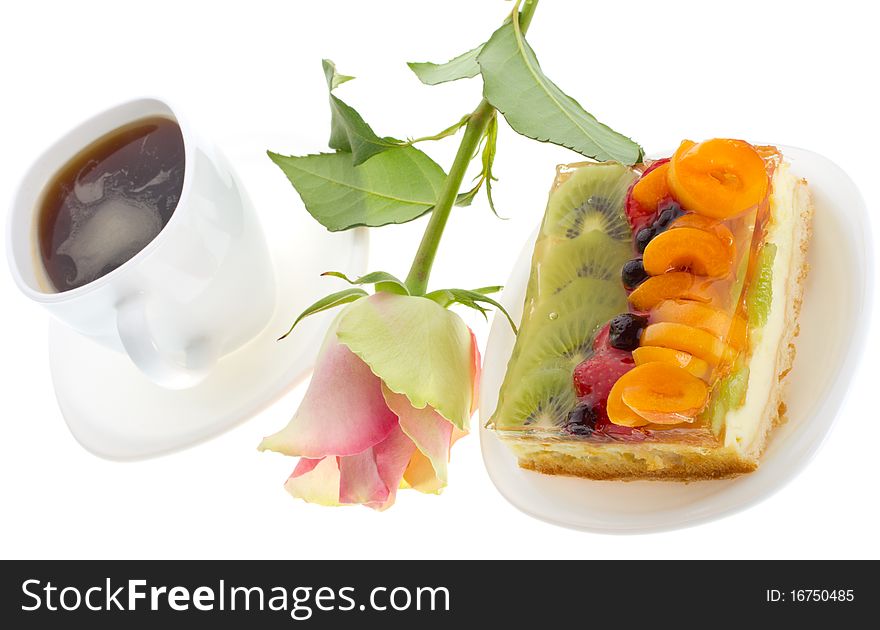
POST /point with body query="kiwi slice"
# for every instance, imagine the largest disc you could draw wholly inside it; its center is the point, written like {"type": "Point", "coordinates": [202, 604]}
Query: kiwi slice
{"type": "Point", "coordinates": [592, 255]}
{"type": "Point", "coordinates": [573, 289]}
{"type": "Point", "coordinates": [544, 398]}
{"type": "Point", "coordinates": [729, 393]}
{"type": "Point", "coordinates": [561, 326]}
{"type": "Point", "coordinates": [760, 291]}
{"type": "Point", "coordinates": [590, 199]}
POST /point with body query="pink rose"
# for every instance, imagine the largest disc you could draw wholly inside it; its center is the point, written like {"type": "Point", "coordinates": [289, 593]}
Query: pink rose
{"type": "Point", "coordinates": [394, 386]}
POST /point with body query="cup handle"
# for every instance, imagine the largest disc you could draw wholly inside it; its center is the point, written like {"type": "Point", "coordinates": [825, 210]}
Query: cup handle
{"type": "Point", "coordinates": [134, 332]}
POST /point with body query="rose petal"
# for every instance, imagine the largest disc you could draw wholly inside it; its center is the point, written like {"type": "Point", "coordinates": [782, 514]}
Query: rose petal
{"type": "Point", "coordinates": [431, 432]}
{"type": "Point", "coordinates": [343, 411]}
{"type": "Point", "coordinates": [304, 466]}
{"type": "Point", "coordinates": [359, 480]}
{"type": "Point", "coordinates": [417, 348]}
{"type": "Point", "coordinates": [392, 458]}
{"type": "Point", "coordinates": [476, 372]}
{"type": "Point", "coordinates": [373, 477]}
{"type": "Point", "coordinates": [457, 434]}
{"type": "Point", "coordinates": [315, 481]}
{"type": "Point", "coordinates": [420, 475]}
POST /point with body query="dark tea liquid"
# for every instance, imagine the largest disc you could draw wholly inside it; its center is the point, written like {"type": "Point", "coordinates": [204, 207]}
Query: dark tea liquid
{"type": "Point", "coordinates": [110, 201]}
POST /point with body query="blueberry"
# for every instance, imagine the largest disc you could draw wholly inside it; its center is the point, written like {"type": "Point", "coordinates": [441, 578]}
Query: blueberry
{"type": "Point", "coordinates": [625, 329]}
{"type": "Point", "coordinates": [582, 419]}
{"type": "Point", "coordinates": [643, 237]}
{"type": "Point", "coordinates": [633, 273]}
{"type": "Point", "coordinates": [579, 429]}
{"type": "Point", "coordinates": [669, 214]}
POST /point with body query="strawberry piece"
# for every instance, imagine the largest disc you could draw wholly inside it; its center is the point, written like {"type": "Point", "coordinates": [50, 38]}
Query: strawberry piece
{"type": "Point", "coordinates": [594, 377]}
{"type": "Point", "coordinates": [600, 341]}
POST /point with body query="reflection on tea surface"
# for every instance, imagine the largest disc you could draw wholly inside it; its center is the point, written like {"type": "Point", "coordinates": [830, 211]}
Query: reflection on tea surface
{"type": "Point", "coordinates": [110, 201]}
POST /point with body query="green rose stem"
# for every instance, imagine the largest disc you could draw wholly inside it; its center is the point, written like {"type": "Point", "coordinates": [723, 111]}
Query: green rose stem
{"type": "Point", "coordinates": [417, 280]}
{"type": "Point", "coordinates": [419, 273]}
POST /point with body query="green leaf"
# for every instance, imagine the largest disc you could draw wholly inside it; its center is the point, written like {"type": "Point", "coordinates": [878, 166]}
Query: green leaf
{"type": "Point", "coordinates": [383, 280]}
{"type": "Point", "coordinates": [488, 143]}
{"type": "Point", "coordinates": [465, 199]}
{"type": "Point", "coordinates": [515, 85]}
{"type": "Point", "coordinates": [348, 130]}
{"type": "Point", "coordinates": [488, 159]}
{"type": "Point", "coordinates": [334, 79]}
{"type": "Point", "coordinates": [395, 186]}
{"type": "Point", "coordinates": [462, 67]}
{"type": "Point", "coordinates": [495, 288]}
{"type": "Point", "coordinates": [471, 299]}
{"type": "Point", "coordinates": [326, 303]}
{"type": "Point", "coordinates": [451, 130]}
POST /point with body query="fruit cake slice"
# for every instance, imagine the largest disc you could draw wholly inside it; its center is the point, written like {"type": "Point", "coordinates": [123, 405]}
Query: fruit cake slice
{"type": "Point", "coordinates": [660, 316]}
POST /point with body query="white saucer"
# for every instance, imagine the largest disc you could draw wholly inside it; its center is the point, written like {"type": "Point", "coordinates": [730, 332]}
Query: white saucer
{"type": "Point", "coordinates": [117, 413]}
{"type": "Point", "coordinates": [834, 321]}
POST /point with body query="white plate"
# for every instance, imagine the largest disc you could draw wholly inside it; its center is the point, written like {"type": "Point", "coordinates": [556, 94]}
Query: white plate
{"type": "Point", "coordinates": [834, 319]}
{"type": "Point", "coordinates": [117, 413]}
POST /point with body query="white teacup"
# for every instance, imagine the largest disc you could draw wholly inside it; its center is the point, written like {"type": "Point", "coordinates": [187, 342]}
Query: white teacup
{"type": "Point", "coordinates": [198, 291]}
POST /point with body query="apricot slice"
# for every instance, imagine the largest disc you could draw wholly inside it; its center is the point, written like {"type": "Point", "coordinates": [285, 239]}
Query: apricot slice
{"type": "Point", "coordinates": [675, 284]}
{"type": "Point", "coordinates": [695, 341]}
{"type": "Point", "coordinates": [679, 358]}
{"type": "Point", "coordinates": [658, 392]}
{"type": "Point", "coordinates": [652, 188]}
{"type": "Point", "coordinates": [688, 249]}
{"type": "Point", "coordinates": [733, 330]}
{"type": "Point", "coordinates": [692, 220]}
{"type": "Point", "coordinates": [718, 178]}
{"type": "Point", "coordinates": [618, 412]}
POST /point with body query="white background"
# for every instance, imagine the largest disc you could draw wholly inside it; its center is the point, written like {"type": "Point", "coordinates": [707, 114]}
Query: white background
{"type": "Point", "coordinates": [796, 73]}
